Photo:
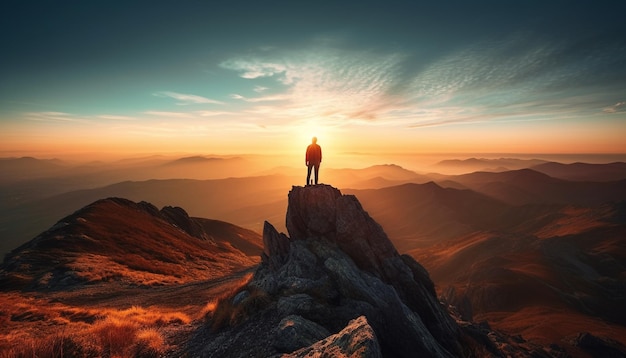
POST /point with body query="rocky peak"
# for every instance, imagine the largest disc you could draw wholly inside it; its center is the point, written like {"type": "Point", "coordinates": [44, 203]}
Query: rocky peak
{"type": "Point", "coordinates": [321, 211]}
{"type": "Point", "coordinates": [320, 216]}
{"type": "Point", "coordinates": [337, 266]}
{"type": "Point", "coordinates": [338, 272]}
{"type": "Point", "coordinates": [179, 217]}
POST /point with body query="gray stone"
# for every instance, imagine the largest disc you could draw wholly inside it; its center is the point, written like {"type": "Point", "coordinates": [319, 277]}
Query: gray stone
{"type": "Point", "coordinates": [357, 339]}
{"type": "Point", "coordinates": [240, 297]}
{"type": "Point", "coordinates": [295, 332]}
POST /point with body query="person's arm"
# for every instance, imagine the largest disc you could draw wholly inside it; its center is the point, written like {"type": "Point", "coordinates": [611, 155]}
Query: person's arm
{"type": "Point", "coordinates": [306, 157]}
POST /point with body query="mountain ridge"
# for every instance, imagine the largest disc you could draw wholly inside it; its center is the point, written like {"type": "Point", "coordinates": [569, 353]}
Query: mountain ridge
{"type": "Point", "coordinates": [115, 239]}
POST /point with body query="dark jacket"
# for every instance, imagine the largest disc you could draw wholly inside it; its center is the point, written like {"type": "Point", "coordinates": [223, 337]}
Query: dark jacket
{"type": "Point", "coordinates": [313, 154]}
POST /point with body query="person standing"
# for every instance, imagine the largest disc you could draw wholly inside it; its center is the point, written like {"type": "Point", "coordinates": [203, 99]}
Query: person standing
{"type": "Point", "coordinates": [313, 160]}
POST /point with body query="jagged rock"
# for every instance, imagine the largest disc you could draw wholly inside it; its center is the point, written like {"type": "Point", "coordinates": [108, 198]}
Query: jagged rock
{"type": "Point", "coordinates": [179, 217]}
{"type": "Point", "coordinates": [275, 246]}
{"type": "Point", "coordinates": [312, 211]}
{"type": "Point", "coordinates": [357, 339]}
{"type": "Point", "coordinates": [338, 265]}
{"type": "Point", "coordinates": [295, 332]}
{"type": "Point", "coordinates": [366, 243]}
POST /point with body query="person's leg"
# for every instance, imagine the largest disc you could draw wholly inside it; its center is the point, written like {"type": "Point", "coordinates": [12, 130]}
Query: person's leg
{"type": "Point", "coordinates": [317, 173]}
{"type": "Point", "coordinates": [308, 174]}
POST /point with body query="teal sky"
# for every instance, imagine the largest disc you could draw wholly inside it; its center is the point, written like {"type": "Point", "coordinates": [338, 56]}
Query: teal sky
{"type": "Point", "coordinates": [243, 76]}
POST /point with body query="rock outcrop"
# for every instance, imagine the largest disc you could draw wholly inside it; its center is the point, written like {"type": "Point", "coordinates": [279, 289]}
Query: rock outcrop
{"type": "Point", "coordinates": [336, 272]}
{"type": "Point", "coordinates": [356, 340]}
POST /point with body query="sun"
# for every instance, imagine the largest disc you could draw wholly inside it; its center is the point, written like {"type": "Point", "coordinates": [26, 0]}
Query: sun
{"type": "Point", "coordinates": [304, 133]}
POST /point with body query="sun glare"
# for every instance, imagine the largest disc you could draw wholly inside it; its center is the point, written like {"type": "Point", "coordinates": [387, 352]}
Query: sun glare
{"type": "Point", "coordinates": [304, 133]}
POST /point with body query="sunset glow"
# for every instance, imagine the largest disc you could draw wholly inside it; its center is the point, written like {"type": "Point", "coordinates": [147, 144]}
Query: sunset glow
{"type": "Point", "coordinates": [399, 78]}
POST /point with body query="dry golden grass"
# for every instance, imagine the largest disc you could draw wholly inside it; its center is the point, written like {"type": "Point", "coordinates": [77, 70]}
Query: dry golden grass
{"type": "Point", "coordinates": [34, 327]}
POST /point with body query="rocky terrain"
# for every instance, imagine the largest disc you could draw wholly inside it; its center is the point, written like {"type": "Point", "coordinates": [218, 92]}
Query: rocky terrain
{"type": "Point", "coordinates": [336, 286]}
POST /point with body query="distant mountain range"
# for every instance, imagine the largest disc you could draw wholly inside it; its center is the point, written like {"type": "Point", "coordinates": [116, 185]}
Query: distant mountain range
{"type": "Point", "coordinates": [30, 206]}
{"type": "Point", "coordinates": [483, 164]}
{"type": "Point", "coordinates": [584, 171]}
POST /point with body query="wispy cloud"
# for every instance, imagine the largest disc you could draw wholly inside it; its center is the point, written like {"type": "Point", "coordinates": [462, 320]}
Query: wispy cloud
{"type": "Point", "coordinates": [508, 80]}
{"type": "Point", "coordinates": [254, 68]}
{"type": "Point", "coordinates": [213, 113]}
{"type": "Point", "coordinates": [187, 99]}
{"type": "Point", "coordinates": [64, 117]}
{"type": "Point", "coordinates": [269, 98]}
{"type": "Point", "coordinates": [170, 114]}
{"type": "Point", "coordinates": [617, 107]}
{"type": "Point", "coordinates": [116, 117]}
{"type": "Point", "coordinates": [326, 83]}
{"type": "Point", "coordinates": [59, 117]}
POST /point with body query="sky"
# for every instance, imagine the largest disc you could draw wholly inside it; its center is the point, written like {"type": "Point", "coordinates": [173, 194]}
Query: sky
{"type": "Point", "coordinates": [224, 77]}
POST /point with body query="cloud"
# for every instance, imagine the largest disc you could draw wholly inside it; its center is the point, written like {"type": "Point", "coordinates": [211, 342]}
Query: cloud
{"type": "Point", "coordinates": [116, 117]}
{"type": "Point", "coordinates": [213, 113]}
{"type": "Point", "coordinates": [254, 68]}
{"type": "Point", "coordinates": [270, 98]}
{"type": "Point", "coordinates": [170, 114]}
{"type": "Point", "coordinates": [64, 117]}
{"type": "Point", "coordinates": [328, 83]}
{"type": "Point", "coordinates": [617, 107]}
{"type": "Point", "coordinates": [186, 99]}
{"type": "Point", "coordinates": [511, 79]}
{"type": "Point", "coordinates": [60, 117]}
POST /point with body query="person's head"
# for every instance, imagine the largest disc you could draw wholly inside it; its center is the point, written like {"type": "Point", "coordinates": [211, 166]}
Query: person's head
{"type": "Point", "coordinates": [314, 140]}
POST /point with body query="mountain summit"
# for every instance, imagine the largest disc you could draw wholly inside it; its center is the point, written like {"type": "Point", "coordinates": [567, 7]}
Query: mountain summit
{"type": "Point", "coordinates": [337, 271]}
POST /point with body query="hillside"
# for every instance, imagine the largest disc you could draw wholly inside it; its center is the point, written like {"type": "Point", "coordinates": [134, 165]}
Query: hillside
{"type": "Point", "coordinates": [418, 215]}
{"type": "Point", "coordinates": [549, 280]}
{"type": "Point", "coordinates": [134, 243]}
{"type": "Point", "coordinates": [221, 199]}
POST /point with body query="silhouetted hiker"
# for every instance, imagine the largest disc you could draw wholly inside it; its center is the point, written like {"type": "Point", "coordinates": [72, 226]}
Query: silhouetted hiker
{"type": "Point", "coordinates": [313, 160]}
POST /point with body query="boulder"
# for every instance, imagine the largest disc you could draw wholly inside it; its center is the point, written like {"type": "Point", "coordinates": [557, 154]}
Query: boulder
{"type": "Point", "coordinates": [356, 340]}
{"type": "Point", "coordinates": [295, 332]}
